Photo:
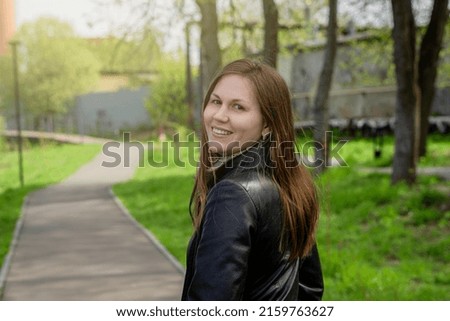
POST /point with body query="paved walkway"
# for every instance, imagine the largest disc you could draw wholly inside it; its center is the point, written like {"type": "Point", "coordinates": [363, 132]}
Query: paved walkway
{"type": "Point", "coordinates": [442, 172]}
{"type": "Point", "coordinates": [77, 242]}
{"type": "Point", "coordinates": [58, 137]}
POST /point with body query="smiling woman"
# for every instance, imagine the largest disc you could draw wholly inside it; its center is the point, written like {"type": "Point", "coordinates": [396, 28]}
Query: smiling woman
{"type": "Point", "coordinates": [232, 116]}
{"type": "Point", "coordinates": [253, 206]}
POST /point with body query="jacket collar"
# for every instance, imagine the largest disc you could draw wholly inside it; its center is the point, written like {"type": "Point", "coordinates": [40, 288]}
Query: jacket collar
{"type": "Point", "coordinates": [256, 157]}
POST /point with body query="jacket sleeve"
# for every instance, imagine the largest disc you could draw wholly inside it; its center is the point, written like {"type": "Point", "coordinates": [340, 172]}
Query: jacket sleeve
{"type": "Point", "coordinates": [311, 285]}
{"type": "Point", "coordinates": [224, 245]}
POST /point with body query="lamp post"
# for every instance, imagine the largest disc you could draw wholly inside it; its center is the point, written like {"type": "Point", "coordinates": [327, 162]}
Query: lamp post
{"type": "Point", "coordinates": [189, 96]}
{"type": "Point", "coordinates": [14, 44]}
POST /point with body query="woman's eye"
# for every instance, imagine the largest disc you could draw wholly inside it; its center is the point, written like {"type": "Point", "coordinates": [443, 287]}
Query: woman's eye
{"type": "Point", "coordinates": [215, 102]}
{"type": "Point", "coordinates": [238, 107]}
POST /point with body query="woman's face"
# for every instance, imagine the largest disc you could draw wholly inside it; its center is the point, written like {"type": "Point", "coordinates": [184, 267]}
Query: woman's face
{"type": "Point", "coordinates": [232, 116]}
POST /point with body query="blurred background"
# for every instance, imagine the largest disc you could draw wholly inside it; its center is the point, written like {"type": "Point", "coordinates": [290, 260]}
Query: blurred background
{"type": "Point", "coordinates": [103, 67]}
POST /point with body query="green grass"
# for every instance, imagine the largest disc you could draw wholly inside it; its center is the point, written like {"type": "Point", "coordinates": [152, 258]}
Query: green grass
{"type": "Point", "coordinates": [383, 242]}
{"type": "Point", "coordinates": [159, 199]}
{"type": "Point", "coordinates": [43, 165]}
{"type": "Point", "coordinates": [377, 241]}
{"type": "Point", "coordinates": [361, 152]}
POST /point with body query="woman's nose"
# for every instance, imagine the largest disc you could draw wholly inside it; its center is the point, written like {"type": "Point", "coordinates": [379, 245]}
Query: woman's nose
{"type": "Point", "coordinates": [221, 114]}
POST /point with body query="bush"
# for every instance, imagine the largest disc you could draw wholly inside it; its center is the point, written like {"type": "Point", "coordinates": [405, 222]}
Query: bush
{"type": "Point", "coordinates": [167, 101]}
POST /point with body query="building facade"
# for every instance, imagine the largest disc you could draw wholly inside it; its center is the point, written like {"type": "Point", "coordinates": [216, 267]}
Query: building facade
{"type": "Point", "coordinates": [7, 24]}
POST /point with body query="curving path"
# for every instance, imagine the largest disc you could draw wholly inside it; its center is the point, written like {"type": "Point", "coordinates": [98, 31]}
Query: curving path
{"type": "Point", "coordinates": [75, 241]}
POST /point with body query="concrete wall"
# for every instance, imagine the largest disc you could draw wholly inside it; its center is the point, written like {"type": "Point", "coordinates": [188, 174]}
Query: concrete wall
{"type": "Point", "coordinates": [302, 71]}
{"type": "Point", "coordinates": [108, 113]}
{"type": "Point", "coordinates": [365, 103]}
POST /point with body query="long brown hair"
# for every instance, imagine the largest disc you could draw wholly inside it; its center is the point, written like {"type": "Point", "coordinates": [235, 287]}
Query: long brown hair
{"type": "Point", "coordinates": [296, 187]}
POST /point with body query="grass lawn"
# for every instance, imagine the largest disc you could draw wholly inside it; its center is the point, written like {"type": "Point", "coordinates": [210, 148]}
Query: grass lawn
{"type": "Point", "coordinates": [380, 242]}
{"type": "Point", "coordinates": [377, 241]}
{"type": "Point", "coordinates": [360, 152]}
{"type": "Point", "coordinates": [43, 165]}
{"type": "Point", "coordinates": [159, 199]}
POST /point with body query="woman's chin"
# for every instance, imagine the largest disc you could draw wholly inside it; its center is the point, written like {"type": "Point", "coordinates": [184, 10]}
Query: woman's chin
{"type": "Point", "coordinates": [222, 148]}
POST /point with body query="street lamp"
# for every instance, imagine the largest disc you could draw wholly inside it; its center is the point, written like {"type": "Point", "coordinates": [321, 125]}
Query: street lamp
{"type": "Point", "coordinates": [189, 96]}
{"type": "Point", "coordinates": [14, 44]}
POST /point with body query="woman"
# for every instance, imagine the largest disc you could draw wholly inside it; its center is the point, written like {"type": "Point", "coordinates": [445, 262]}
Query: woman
{"type": "Point", "coordinates": [253, 206]}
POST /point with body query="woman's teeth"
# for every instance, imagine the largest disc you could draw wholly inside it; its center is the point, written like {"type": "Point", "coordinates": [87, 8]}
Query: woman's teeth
{"type": "Point", "coordinates": [220, 131]}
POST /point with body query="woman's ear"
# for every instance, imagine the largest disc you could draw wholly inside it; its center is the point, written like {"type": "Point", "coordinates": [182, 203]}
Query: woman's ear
{"type": "Point", "coordinates": [265, 132]}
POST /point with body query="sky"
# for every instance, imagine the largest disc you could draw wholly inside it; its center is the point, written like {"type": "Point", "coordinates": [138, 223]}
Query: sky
{"type": "Point", "coordinates": [75, 12]}
{"type": "Point", "coordinates": [79, 14]}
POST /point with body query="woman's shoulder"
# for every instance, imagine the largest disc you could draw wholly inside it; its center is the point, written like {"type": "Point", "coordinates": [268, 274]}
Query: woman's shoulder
{"type": "Point", "coordinates": [249, 179]}
{"type": "Point", "coordinates": [256, 185]}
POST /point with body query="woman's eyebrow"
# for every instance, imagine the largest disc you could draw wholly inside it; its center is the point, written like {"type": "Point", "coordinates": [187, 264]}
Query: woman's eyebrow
{"type": "Point", "coordinates": [235, 100]}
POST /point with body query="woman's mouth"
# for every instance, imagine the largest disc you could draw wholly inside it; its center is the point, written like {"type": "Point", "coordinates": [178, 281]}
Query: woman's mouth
{"type": "Point", "coordinates": [219, 131]}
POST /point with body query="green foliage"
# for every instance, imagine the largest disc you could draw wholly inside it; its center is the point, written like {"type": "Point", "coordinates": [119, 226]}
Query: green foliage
{"type": "Point", "coordinates": [231, 53]}
{"type": "Point", "coordinates": [368, 62]}
{"type": "Point", "coordinates": [55, 66]}
{"type": "Point", "coordinates": [443, 78]}
{"type": "Point", "coordinates": [167, 102]}
{"type": "Point", "coordinates": [301, 15]}
{"type": "Point", "coordinates": [138, 54]}
{"type": "Point", "coordinates": [241, 32]}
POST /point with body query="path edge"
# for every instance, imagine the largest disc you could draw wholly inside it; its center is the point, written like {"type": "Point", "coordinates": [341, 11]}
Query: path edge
{"type": "Point", "coordinates": [12, 247]}
{"type": "Point", "coordinates": [161, 248]}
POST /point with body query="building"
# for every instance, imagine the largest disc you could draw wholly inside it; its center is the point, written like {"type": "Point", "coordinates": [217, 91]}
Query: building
{"type": "Point", "coordinates": [7, 24]}
{"type": "Point", "coordinates": [361, 87]}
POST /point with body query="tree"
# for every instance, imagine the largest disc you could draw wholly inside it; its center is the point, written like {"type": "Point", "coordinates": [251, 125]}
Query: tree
{"type": "Point", "coordinates": [428, 62]}
{"type": "Point", "coordinates": [211, 58]}
{"type": "Point", "coordinates": [321, 113]}
{"type": "Point", "coordinates": [270, 32]}
{"type": "Point", "coordinates": [131, 55]}
{"type": "Point", "coordinates": [56, 67]}
{"type": "Point", "coordinates": [167, 101]}
{"type": "Point", "coordinates": [406, 109]}
{"type": "Point", "coordinates": [415, 83]}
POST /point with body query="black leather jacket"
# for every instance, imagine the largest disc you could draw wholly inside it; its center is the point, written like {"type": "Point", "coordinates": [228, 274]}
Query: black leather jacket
{"type": "Point", "coordinates": [236, 254]}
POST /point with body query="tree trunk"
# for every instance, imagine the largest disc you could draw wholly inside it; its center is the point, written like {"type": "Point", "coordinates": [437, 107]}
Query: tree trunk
{"type": "Point", "coordinates": [406, 110]}
{"type": "Point", "coordinates": [211, 59]}
{"type": "Point", "coordinates": [321, 113]}
{"type": "Point", "coordinates": [428, 64]}
{"type": "Point", "coordinates": [270, 32]}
